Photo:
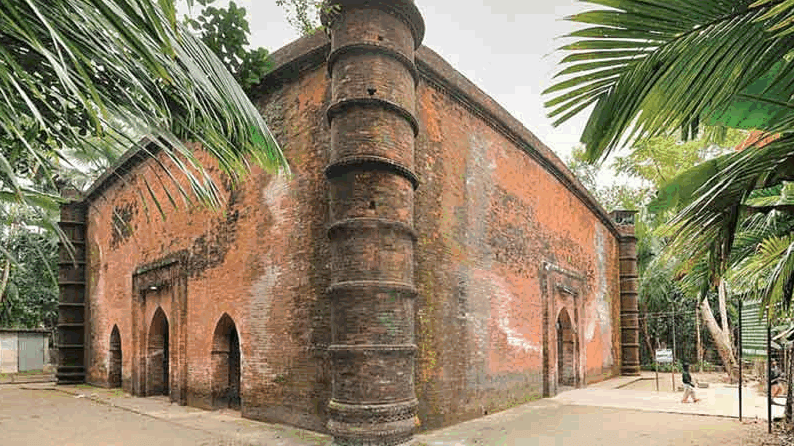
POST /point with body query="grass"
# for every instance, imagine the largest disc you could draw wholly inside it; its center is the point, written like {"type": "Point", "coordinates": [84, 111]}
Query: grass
{"type": "Point", "coordinates": [4, 376]}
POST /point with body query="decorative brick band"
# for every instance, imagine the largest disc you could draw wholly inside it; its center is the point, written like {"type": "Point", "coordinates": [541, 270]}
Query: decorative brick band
{"type": "Point", "coordinates": [407, 349]}
{"type": "Point", "coordinates": [364, 411]}
{"type": "Point", "coordinates": [340, 106]}
{"type": "Point", "coordinates": [373, 48]}
{"type": "Point", "coordinates": [370, 223]}
{"type": "Point", "coordinates": [376, 285]}
{"type": "Point", "coordinates": [370, 162]}
{"type": "Point", "coordinates": [387, 434]}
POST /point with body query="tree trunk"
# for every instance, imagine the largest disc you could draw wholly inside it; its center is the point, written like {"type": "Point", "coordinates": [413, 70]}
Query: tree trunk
{"type": "Point", "coordinates": [4, 282]}
{"type": "Point", "coordinates": [647, 339]}
{"type": "Point", "coordinates": [726, 329]}
{"type": "Point", "coordinates": [724, 348]}
{"type": "Point", "coordinates": [699, 351]}
{"type": "Point", "coordinates": [790, 368]}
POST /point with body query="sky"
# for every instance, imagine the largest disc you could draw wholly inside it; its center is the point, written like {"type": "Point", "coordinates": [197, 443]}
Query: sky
{"type": "Point", "coordinates": [506, 47]}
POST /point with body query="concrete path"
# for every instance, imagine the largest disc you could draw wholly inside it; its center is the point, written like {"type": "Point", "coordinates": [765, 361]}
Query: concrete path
{"type": "Point", "coordinates": [717, 400]}
{"type": "Point", "coordinates": [548, 423]}
{"type": "Point", "coordinates": [166, 423]}
{"type": "Point", "coordinates": [601, 415]}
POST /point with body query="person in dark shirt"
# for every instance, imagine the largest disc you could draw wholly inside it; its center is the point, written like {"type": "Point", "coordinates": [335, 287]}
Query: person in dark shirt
{"type": "Point", "coordinates": [689, 387]}
{"type": "Point", "coordinates": [776, 378]}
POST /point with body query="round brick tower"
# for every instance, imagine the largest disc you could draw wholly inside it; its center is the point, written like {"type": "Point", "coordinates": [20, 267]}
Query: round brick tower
{"type": "Point", "coordinates": [372, 183]}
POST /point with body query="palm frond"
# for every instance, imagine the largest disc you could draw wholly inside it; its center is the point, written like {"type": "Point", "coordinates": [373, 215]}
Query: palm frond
{"type": "Point", "coordinates": [76, 69]}
{"type": "Point", "coordinates": [679, 61]}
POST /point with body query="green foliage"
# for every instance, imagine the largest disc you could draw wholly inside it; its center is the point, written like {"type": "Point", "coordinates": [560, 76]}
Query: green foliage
{"type": "Point", "coordinates": [659, 159]}
{"type": "Point", "coordinates": [225, 31]}
{"type": "Point", "coordinates": [629, 195]}
{"type": "Point", "coordinates": [31, 295]}
{"type": "Point", "coordinates": [75, 71]}
{"type": "Point", "coordinates": [303, 15]}
{"type": "Point", "coordinates": [645, 169]}
{"type": "Point", "coordinates": [651, 68]}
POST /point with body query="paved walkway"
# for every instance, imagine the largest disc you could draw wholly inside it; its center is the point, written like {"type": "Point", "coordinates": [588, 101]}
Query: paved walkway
{"type": "Point", "coordinates": [596, 415]}
{"type": "Point", "coordinates": [717, 400]}
{"type": "Point", "coordinates": [208, 427]}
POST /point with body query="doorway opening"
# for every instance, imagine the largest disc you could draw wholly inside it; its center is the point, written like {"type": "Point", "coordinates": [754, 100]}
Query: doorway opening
{"type": "Point", "coordinates": [226, 368]}
{"type": "Point", "coordinates": [566, 372]}
{"type": "Point", "coordinates": [157, 356]}
{"type": "Point", "coordinates": [114, 366]}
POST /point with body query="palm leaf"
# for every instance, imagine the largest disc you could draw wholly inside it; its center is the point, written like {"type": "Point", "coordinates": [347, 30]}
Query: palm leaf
{"type": "Point", "coordinates": [114, 62]}
{"type": "Point", "coordinates": [692, 58]}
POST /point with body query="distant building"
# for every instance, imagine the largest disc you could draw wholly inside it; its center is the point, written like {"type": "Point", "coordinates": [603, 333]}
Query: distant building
{"type": "Point", "coordinates": [23, 350]}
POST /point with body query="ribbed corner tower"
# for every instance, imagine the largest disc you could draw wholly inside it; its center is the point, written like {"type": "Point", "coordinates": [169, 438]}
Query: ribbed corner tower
{"type": "Point", "coordinates": [372, 183]}
{"type": "Point", "coordinates": [629, 287]}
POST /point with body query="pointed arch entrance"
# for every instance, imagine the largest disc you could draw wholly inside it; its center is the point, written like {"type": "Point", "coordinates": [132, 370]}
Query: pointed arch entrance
{"type": "Point", "coordinates": [226, 368]}
{"type": "Point", "coordinates": [157, 364]}
{"type": "Point", "coordinates": [114, 360]}
{"type": "Point", "coordinates": [563, 361]}
{"type": "Point", "coordinates": [566, 350]}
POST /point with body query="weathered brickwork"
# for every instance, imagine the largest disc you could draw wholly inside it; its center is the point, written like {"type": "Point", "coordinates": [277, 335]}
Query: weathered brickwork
{"type": "Point", "coordinates": [262, 260]}
{"type": "Point", "coordinates": [428, 261]}
{"type": "Point", "coordinates": [489, 219]}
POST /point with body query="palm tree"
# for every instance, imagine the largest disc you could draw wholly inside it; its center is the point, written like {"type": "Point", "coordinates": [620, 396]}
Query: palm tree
{"type": "Point", "coordinates": [79, 75]}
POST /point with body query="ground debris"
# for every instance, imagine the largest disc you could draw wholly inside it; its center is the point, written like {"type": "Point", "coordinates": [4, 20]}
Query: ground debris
{"type": "Point", "coordinates": [782, 435]}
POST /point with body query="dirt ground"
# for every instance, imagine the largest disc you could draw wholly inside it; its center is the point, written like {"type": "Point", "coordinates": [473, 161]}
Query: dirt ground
{"type": "Point", "coordinates": [51, 417]}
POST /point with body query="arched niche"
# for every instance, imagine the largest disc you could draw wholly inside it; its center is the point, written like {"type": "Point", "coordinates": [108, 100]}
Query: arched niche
{"type": "Point", "coordinates": [157, 357]}
{"type": "Point", "coordinates": [114, 358]}
{"type": "Point", "coordinates": [226, 365]}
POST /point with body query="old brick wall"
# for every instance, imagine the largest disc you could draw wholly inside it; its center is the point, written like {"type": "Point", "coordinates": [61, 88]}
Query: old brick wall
{"type": "Point", "coordinates": [503, 245]}
{"type": "Point", "coordinates": [262, 260]}
{"type": "Point", "coordinates": [488, 217]}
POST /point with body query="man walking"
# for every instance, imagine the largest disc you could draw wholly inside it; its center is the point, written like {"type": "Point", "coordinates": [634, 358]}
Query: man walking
{"type": "Point", "coordinates": [689, 388]}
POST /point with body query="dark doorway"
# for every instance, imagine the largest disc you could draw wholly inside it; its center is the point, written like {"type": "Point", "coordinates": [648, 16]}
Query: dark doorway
{"type": "Point", "coordinates": [114, 366]}
{"type": "Point", "coordinates": [566, 372]}
{"type": "Point", "coordinates": [226, 368]}
{"type": "Point", "coordinates": [157, 357]}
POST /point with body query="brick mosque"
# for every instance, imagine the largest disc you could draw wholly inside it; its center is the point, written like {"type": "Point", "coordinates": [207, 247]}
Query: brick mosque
{"type": "Point", "coordinates": [428, 261]}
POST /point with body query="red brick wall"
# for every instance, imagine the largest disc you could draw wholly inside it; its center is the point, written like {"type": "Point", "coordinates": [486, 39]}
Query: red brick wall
{"type": "Point", "coordinates": [262, 259]}
{"type": "Point", "coordinates": [488, 215]}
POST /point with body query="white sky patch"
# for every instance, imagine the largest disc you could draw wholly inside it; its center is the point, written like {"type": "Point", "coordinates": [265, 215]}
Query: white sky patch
{"type": "Point", "coordinates": [507, 48]}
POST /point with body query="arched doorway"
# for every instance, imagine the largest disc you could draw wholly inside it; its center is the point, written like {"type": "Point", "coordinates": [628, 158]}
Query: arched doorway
{"type": "Point", "coordinates": [566, 350]}
{"type": "Point", "coordinates": [114, 360]}
{"type": "Point", "coordinates": [226, 365]}
{"type": "Point", "coordinates": [157, 355]}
